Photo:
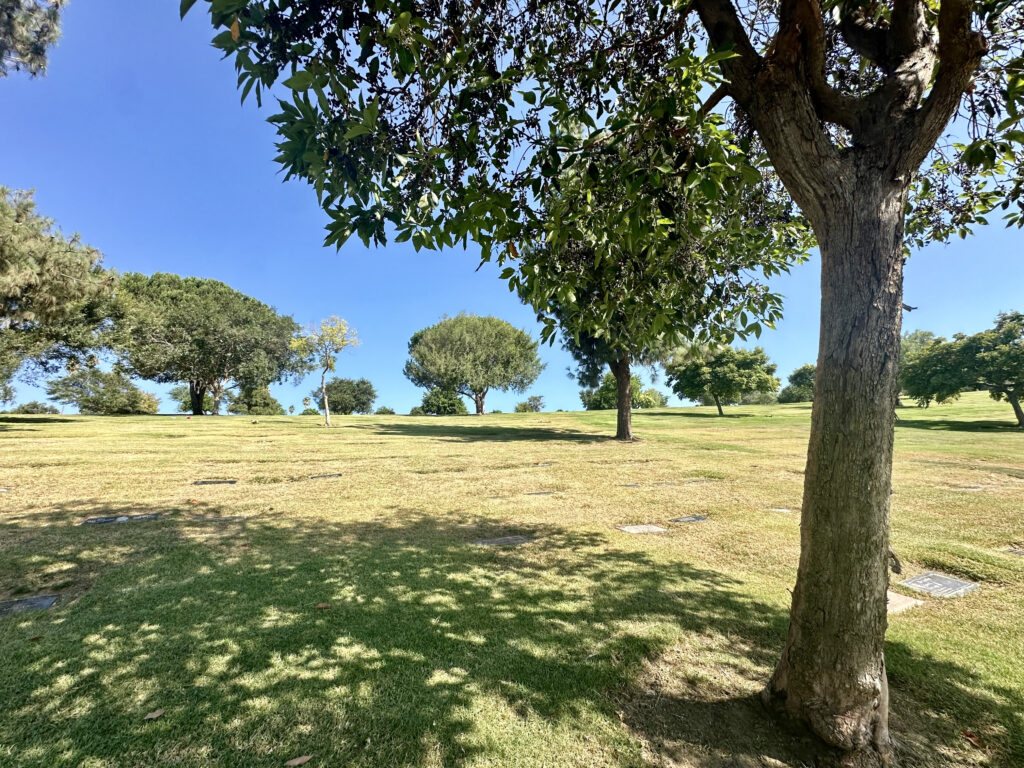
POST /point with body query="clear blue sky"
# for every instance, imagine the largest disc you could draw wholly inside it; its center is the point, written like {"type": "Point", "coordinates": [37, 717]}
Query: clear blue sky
{"type": "Point", "coordinates": [135, 139]}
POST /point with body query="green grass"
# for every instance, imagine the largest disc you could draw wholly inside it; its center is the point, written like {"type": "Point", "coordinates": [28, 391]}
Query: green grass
{"type": "Point", "coordinates": [586, 647]}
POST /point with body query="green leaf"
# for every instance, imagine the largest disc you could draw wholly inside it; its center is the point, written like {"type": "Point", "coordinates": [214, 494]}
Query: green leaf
{"type": "Point", "coordinates": [300, 81]}
{"type": "Point", "coordinates": [185, 7]}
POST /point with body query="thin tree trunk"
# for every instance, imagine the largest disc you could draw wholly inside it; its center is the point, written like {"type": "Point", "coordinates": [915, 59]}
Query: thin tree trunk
{"type": "Point", "coordinates": [719, 404]}
{"type": "Point", "coordinates": [832, 673]}
{"type": "Point", "coordinates": [1017, 410]}
{"type": "Point", "coordinates": [624, 400]}
{"type": "Point", "coordinates": [196, 394]}
{"type": "Point", "coordinates": [323, 394]}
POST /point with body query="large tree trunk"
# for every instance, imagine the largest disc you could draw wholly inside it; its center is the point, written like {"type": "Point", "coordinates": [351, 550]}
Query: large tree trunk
{"type": "Point", "coordinates": [478, 402]}
{"type": "Point", "coordinates": [718, 403]}
{"type": "Point", "coordinates": [624, 400]}
{"type": "Point", "coordinates": [1017, 410]}
{"type": "Point", "coordinates": [196, 395]}
{"type": "Point", "coordinates": [832, 673]}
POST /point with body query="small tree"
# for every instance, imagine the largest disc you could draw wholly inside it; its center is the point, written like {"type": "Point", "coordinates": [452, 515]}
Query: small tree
{"type": "Point", "coordinates": [651, 398]}
{"type": "Point", "coordinates": [992, 360]}
{"type": "Point", "coordinates": [255, 401]}
{"type": "Point", "coordinates": [606, 395]}
{"type": "Point", "coordinates": [96, 392]}
{"type": "Point", "coordinates": [724, 374]}
{"type": "Point", "coordinates": [801, 386]}
{"type": "Point", "coordinates": [533, 404]}
{"type": "Point", "coordinates": [442, 402]}
{"type": "Point", "coordinates": [384, 411]}
{"type": "Point", "coordinates": [320, 347]}
{"type": "Point", "coordinates": [347, 396]}
{"type": "Point", "coordinates": [291, 410]}
{"type": "Point", "coordinates": [472, 355]}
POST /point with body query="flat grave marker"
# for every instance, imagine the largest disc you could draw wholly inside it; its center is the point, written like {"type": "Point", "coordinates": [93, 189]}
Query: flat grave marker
{"type": "Point", "coordinates": [321, 477]}
{"type": "Point", "coordinates": [689, 519]}
{"type": "Point", "coordinates": [214, 482]}
{"type": "Point", "coordinates": [120, 519]}
{"type": "Point", "coordinates": [897, 603]}
{"type": "Point", "coordinates": [1016, 551]}
{"type": "Point", "coordinates": [540, 493]}
{"type": "Point", "coordinates": [225, 519]}
{"type": "Point", "coordinates": [542, 464]}
{"type": "Point", "coordinates": [631, 485]}
{"type": "Point", "coordinates": [940, 585]}
{"type": "Point", "coordinates": [11, 607]}
{"type": "Point", "coordinates": [504, 541]}
{"type": "Point", "coordinates": [641, 528]}
{"type": "Point", "coordinates": [700, 479]}
{"type": "Point", "coordinates": [786, 510]}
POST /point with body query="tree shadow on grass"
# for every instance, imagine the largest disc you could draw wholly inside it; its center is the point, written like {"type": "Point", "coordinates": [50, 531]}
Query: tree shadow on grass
{"type": "Point", "coordinates": [480, 432]}
{"type": "Point", "coordinates": [390, 643]}
{"type": "Point", "coordinates": [949, 425]}
{"type": "Point", "coordinates": [688, 414]}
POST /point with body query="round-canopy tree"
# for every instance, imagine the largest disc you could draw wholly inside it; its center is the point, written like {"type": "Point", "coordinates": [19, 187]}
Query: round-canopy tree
{"type": "Point", "coordinates": [452, 120]}
{"type": "Point", "coordinates": [347, 396]}
{"type": "Point", "coordinates": [992, 360]}
{"type": "Point", "coordinates": [472, 355]}
{"type": "Point", "coordinates": [801, 386]}
{"type": "Point", "coordinates": [188, 329]}
{"type": "Point", "coordinates": [722, 374]}
{"type": "Point", "coordinates": [101, 393]}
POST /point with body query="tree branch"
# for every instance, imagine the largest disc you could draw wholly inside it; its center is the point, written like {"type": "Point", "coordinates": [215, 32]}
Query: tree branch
{"type": "Point", "coordinates": [726, 33]}
{"type": "Point", "coordinates": [960, 51]}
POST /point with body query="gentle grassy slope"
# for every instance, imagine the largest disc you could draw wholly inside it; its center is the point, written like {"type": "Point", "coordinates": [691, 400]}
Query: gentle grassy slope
{"type": "Point", "coordinates": [586, 647]}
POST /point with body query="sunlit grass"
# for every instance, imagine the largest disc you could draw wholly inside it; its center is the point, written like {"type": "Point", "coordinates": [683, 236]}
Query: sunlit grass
{"type": "Point", "coordinates": [353, 618]}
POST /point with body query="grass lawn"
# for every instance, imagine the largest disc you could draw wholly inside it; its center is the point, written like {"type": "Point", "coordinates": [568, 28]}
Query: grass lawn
{"type": "Point", "coordinates": [353, 619]}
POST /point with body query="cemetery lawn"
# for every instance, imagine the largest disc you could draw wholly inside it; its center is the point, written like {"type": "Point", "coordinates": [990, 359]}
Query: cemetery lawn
{"type": "Point", "coordinates": [354, 620]}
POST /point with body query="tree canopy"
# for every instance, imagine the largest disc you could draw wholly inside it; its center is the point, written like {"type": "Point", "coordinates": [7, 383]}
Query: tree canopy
{"type": "Point", "coordinates": [201, 332]}
{"type": "Point", "coordinates": [533, 404]}
{"type": "Point", "coordinates": [606, 395]}
{"type": "Point", "coordinates": [724, 374]}
{"type": "Point", "coordinates": [346, 396]}
{"type": "Point", "coordinates": [53, 291]}
{"type": "Point", "coordinates": [992, 360]}
{"type": "Point", "coordinates": [101, 393]}
{"type": "Point", "coordinates": [472, 355]}
{"type": "Point", "coordinates": [801, 386]}
{"type": "Point", "coordinates": [255, 401]}
{"type": "Point", "coordinates": [28, 28]}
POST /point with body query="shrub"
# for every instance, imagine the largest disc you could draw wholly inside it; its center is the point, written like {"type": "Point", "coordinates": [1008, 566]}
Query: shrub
{"type": "Point", "coordinates": [417, 411]}
{"type": "Point", "coordinates": [440, 402]}
{"type": "Point", "coordinates": [310, 412]}
{"type": "Point", "coordinates": [34, 407]}
{"type": "Point", "coordinates": [384, 411]}
{"type": "Point", "coordinates": [533, 404]}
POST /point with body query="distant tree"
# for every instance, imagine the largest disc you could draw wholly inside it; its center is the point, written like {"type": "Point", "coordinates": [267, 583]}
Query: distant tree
{"type": "Point", "coordinates": [441, 402]}
{"type": "Point", "coordinates": [384, 411]}
{"type": "Point", "coordinates": [472, 355]}
{"type": "Point", "coordinates": [418, 411]}
{"type": "Point", "coordinates": [34, 407]}
{"type": "Point", "coordinates": [533, 404]}
{"type": "Point", "coordinates": [320, 348]}
{"type": "Point", "coordinates": [651, 398]}
{"type": "Point", "coordinates": [255, 401]}
{"type": "Point", "coordinates": [606, 395]}
{"type": "Point", "coordinates": [348, 396]}
{"type": "Point", "coordinates": [102, 393]}
{"type": "Point", "coordinates": [307, 402]}
{"type": "Point", "coordinates": [291, 409]}
{"type": "Point", "coordinates": [496, 410]}
{"type": "Point", "coordinates": [28, 28]}
{"type": "Point", "coordinates": [310, 412]}
{"type": "Point", "coordinates": [992, 360]}
{"type": "Point", "coordinates": [912, 344]}
{"type": "Point", "coordinates": [723, 373]}
{"type": "Point", "coordinates": [201, 332]}
{"type": "Point", "coordinates": [757, 398]}
{"type": "Point", "coordinates": [53, 290]}
{"type": "Point", "coordinates": [801, 386]}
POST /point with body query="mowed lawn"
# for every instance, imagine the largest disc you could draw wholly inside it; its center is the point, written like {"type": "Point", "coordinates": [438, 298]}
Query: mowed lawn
{"type": "Point", "coordinates": [353, 619]}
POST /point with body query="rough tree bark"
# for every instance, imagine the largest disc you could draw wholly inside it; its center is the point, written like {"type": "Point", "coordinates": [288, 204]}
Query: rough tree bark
{"type": "Point", "coordinates": [196, 394]}
{"type": "Point", "coordinates": [624, 399]}
{"type": "Point", "coordinates": [832, 672]}
{"type": "Point", "coordinates": [831, 677]}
